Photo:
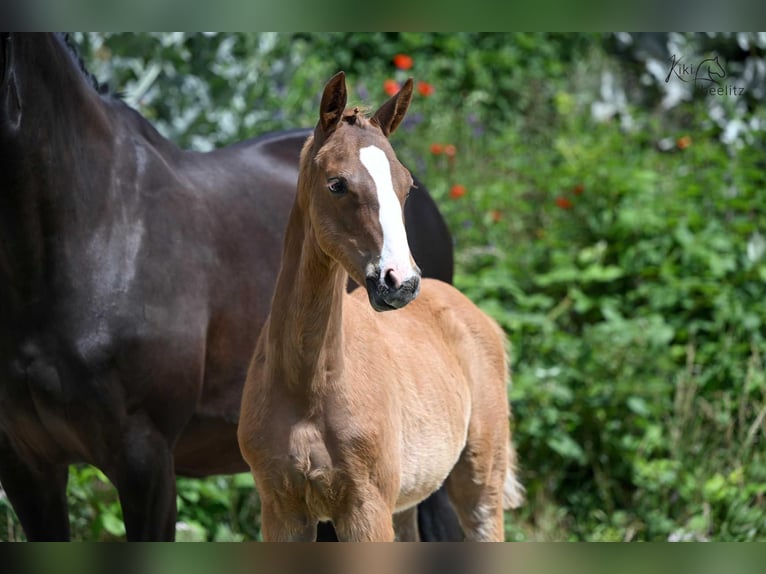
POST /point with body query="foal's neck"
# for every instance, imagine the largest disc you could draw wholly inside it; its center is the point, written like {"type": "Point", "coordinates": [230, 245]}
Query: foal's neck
{"type": "Point", "coordinates": [305, 338]}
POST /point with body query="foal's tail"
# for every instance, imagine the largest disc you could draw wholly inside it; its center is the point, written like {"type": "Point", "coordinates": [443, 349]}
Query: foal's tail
{"type": "Point", "coordinates": [513, 490]}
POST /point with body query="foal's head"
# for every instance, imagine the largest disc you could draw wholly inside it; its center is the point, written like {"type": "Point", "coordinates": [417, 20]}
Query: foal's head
{"type": "Point", "coordinates": [355, 190]}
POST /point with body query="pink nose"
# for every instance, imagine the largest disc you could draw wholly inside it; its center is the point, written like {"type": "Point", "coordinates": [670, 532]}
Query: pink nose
{"type": "Point", "coordinates": [393, 279]}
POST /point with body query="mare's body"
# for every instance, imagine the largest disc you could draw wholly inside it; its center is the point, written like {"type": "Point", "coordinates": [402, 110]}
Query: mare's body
{"type": "Point", "coordinates": [134, 279]}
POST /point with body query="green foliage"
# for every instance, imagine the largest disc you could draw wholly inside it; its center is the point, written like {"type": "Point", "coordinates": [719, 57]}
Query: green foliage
{"type": "Point", "coordinates": [624, 256]}
{"type": "Point", "coordinates": [630, 281]}
{"type": "Point", "coordinates": [222, 508]}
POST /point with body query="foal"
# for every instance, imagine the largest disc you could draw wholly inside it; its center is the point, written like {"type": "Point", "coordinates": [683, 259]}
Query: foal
{"type": "Point", "coordinates": [353, 416]}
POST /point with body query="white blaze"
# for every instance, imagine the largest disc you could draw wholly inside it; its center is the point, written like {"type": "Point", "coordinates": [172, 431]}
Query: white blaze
{"type": "Point", "coordinates": [396, 250]}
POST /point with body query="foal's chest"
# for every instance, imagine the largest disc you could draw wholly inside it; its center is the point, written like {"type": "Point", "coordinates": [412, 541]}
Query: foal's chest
{"type": "Point", "coordinates": [307, 471]}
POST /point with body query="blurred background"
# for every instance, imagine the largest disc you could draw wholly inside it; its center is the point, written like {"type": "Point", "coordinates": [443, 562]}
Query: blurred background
{"type": "Point", "coordinates": [607, 198]}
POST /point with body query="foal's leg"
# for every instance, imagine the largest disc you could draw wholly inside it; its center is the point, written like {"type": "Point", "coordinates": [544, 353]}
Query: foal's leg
{"type": "Point", "coordinates": [145, 479]}
{"type": "Point", "coordinates": [406, 525]}
{"type": "Point", "coordinates": [276, 527]}
{"type": "Point", "coordinates": [37, 493]}
{"type": "Point", "coordinates": [369, 519]}
{"type": "Point", "coordinates": [475, 487]}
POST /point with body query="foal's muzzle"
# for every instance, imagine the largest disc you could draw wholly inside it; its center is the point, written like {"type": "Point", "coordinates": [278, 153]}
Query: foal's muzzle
{"type": "Point", "coordinates": [390, 293]}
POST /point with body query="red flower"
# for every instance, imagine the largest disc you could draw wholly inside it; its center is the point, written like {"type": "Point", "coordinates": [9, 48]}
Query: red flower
{"type": "Point", "coordinates": [457, 191]}
{"type": "Point", "coordinates": [684, 142]}
{"type": "Point", "coordinates": [496, 215]}
{"type": "Point", "coordinates": [450, 150]}
{"type": "Point", "coordinates": [402, 61]}
{"type": "Point", "coordinates": [437, 148]}
{"type": "Point", "coordinates": [425, 89]}
{"type": "Point", "coordinates": [563, 203]}
{"type": "Point", "coordinates": [578, 189]}
{"type": "Point", "coordinates": [391, 87]}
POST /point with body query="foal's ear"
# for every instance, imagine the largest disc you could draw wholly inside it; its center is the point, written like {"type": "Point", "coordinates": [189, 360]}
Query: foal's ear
{"type": "Point", "coordinates": [333, 104]}
{"type": "Point", "coordinates": [390, 114]}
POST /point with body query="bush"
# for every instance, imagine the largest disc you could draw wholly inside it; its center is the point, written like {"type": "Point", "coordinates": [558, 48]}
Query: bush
{"type": "Point", "coordinates": [618, 240]}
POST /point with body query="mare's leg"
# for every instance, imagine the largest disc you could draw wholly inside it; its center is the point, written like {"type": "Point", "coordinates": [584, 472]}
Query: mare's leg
{"type": "Point", "coordinates": [37, 493]}
{"type": "Point", "coordinates": [406, 525]}
{"type": "Point", "coordinates": [144, 475]}
{"type": "Point", "coordinates": [475, 487]}
{"type": "Point", "coordinates": [437, 520]}
{"type": "Point", "coordinates": [326, 532]}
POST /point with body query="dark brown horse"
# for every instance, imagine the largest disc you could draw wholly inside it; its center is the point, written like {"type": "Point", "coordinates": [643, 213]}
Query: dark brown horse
{"type": "Point", "coordinates": [134, 279]}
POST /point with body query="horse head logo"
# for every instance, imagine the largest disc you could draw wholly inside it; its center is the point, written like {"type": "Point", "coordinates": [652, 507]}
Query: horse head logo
{"type": "Point", "coordinates": [710, 70]}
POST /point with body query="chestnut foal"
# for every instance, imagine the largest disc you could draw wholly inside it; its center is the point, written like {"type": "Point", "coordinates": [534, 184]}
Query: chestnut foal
{"type": "Point", "coordinates": [355, 416]}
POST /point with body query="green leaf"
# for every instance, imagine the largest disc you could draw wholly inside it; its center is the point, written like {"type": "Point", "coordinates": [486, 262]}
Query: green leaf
{"type": "Point", "coordinates": [244, 480]}
{"type": "Point", "coordinates": [567, 447]}
{"type": "Point", "coordinates": [639, 406]}
{"type": "Point", "coordinates": [190, 531]}
{"type": "Point", "coordinates": [113, 524]}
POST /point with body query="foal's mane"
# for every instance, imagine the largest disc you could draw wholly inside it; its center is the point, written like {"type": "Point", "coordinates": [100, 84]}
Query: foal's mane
{"type": "Point", "coordinates": [356, 116]}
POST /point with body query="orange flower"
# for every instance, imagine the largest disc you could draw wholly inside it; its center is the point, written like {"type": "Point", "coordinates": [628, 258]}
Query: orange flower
{"type": "Point", "coordinates": [684, 142]}
{"type": "Point", "coordinates": [578, 189]}
{"type": "Point", "coordinates": [391, 87]}
{"type": "Point", "coordinates": [425, 89]}
{"type": "Point", "coordinates": [563, 203]}
{"type": "Point", "coordinates": [437, 148]}
{"type": "Point", "coordinates": [402, 61]}
{"type": "Point", "coordinates": [496, 215]}
{"type": "Point", "coordinates": [457, 191]}
{"type": "Point", "coordinates": [450, 150]}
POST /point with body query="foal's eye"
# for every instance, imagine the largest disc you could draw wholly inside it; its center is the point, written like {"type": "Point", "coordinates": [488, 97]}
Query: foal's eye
{"type": "Point", "coordinates": [337, 185]}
